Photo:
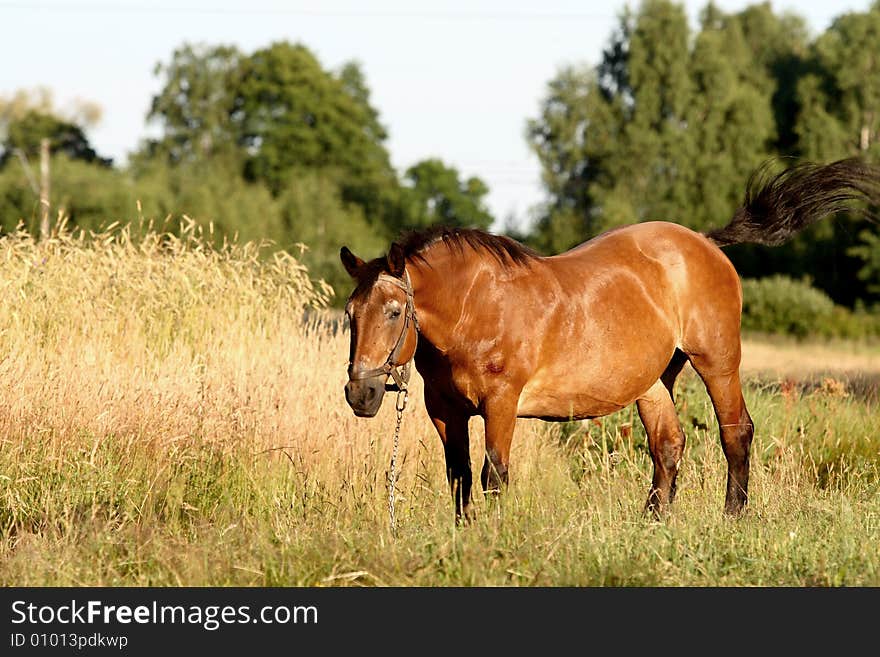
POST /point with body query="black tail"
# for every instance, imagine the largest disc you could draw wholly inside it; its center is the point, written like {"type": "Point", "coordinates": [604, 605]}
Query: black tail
{"type": "Point", "coordinates": [776, 207]}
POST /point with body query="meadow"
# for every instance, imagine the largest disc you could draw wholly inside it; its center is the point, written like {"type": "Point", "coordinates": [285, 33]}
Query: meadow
{"type": "Point", "coordinates": [173, 414]}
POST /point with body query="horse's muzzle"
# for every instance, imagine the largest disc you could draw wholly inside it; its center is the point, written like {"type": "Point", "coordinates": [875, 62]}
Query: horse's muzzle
{"type": "Point", "coordinates": [365, 396]}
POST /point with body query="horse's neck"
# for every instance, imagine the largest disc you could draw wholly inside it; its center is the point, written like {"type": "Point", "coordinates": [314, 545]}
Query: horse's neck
{"type": "Point", "coordinates": [443, 289]}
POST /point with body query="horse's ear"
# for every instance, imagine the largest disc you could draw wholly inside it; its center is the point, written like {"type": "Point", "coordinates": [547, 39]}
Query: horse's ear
{"type": "Point", "coordinates": [350, 261]}
{"type": "Point", "coordinates": [396, 260]}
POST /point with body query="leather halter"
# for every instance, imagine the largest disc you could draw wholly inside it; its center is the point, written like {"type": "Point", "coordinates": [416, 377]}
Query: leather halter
{"type": "Point", "coordinates": [399, 372]}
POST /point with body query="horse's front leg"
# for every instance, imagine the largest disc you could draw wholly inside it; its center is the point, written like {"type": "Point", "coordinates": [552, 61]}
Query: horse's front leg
{"type": "Point", "coordinates": [452, 426]}
{"type": "Point", "coordinates": [499, 415]}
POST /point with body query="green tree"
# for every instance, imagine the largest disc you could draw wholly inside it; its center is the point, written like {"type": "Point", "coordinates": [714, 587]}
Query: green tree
{"type": "Point", "coordinates": [195, 108]}
{"type": "Point", "coordinates": [318, 220]}
{"type": "Point", "coordinates": [251, 142]}
{"type": "Point", "coordinates": [26, 132]}
{"type": "Point", "coordinates": [840, 98]}
{"type": "Point", "coordinates": [671, 124]}
{"type": "Point", "coordinates": [775, 58]}
{"type": "Point", "coordinates": [868, 251]}
{"type": "Point", "coordinates": [207, 192]}
{"type": "Point", "coordinates": [272, 115]}
{"type": "Point", "coordinates": [354, 82]}
{"type": "Point", "coordinates": [730, 118]}
{"type": "Point", "coordinates": [295, 116]}
{"type": "Point", "coordinates": [85, 189]}
{"type": "Point", "coordinates": [614, 144]}
{"type": "Point", "coordinates": [19, 203]}
{"type": "Point", "coordinates": [575, 136]}
{"type": "Point", "coordinates": [821, 136]}
{"type": "Point", "coordinates": [435, 194]}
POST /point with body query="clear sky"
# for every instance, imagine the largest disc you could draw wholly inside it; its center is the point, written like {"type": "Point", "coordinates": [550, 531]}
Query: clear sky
{"type": "Point", "coordinates": [455, 80]}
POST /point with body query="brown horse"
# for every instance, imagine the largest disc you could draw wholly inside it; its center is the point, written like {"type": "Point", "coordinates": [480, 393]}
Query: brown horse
{"type": "Point", "coordinates": [498, 331]}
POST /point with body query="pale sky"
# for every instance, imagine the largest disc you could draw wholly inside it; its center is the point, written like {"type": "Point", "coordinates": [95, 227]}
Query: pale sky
{"type": "Point", "coordinates": [455, 80]}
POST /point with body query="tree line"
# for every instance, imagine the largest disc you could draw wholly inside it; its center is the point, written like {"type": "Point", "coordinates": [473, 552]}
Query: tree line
{"type": "Point", "coordinates": [669, 125]}
{"type": "Point", "coordinates": [672, 122]}
{"type": "Point", "coordinates": [267, 145]}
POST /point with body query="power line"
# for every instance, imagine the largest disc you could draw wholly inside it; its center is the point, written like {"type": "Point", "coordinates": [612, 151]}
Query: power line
{"type": "Point", "coordinates": [318, 13]}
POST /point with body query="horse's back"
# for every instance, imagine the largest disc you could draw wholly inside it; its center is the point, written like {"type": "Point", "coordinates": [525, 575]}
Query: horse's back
{"type": "Point", "coordinates": [685, 271]}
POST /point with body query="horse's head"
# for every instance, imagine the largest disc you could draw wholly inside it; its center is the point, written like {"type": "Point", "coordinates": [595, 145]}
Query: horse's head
{"type": "Point", "coordinates": [383, 325]}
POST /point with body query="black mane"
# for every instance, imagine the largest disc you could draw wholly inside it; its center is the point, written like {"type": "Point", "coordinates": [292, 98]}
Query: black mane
{"type": "Point", "coordinates": [505, 250]}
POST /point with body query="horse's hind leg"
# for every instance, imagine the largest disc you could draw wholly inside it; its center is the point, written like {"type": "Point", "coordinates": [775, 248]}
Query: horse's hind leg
{"type": "Point", "coordinates": [725, 391]}
{"type": "Point", "coordinates": [665, 440]}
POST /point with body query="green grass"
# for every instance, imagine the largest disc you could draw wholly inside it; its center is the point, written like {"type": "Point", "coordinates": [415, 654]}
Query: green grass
{"type": "Point", "coordinates": [108, 512]}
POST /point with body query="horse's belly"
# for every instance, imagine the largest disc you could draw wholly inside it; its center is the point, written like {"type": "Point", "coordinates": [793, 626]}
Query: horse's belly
{"type": "Point", "coordinates": [564, 392]}
{"type": "Point", "coordinates": [548, 403]}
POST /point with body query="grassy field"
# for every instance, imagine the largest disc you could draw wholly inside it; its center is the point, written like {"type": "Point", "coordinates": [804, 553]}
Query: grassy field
{"type": "Point", "coordinates": [168, 418]}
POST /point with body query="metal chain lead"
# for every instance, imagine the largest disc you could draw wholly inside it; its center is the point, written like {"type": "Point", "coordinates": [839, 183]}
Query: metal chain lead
{"type": "Point", "coordinates": [402, 397]}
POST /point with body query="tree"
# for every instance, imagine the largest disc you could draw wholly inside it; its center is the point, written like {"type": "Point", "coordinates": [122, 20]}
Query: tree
{"type": "Point", "coordinates": [208, 192]}
{"type": "Point", "coordinates": [29, 116]}
{"type": "Point", "coordinates": [272, 115]}
{"type": "Point", "coordinates": [195, 107]}
{"type": "Point", "coordinates": [435, 194]}
{"type": "Point", "coordinates": [296, 116]}
{"type": "Point", "coordinates": [670, 124]}
{"type": "Point", "coordinates": [777, 51]}
{"type": "Point", "coordinates": [840, 101]}
{"type": "Point", "coordinates": [575, 136]}
{"type": "Point", "coordinates": [354, 83]}
{"type": "Point", "coordinates": [249, 142]}
{"type": "Point", "coordinates": [84, 184]}
{"type": "Point", "coordinates": [25, 134]}
{"type": "Point", "coordinates": [88, 195]}
{"type": "Point", "coordinates": [614, 144]}
{"type": "Point", "coordinates": [730, 119]}
{"type": "Point", "coordinates": [15, 106]}
{"type": "Point", "coordinates": [869, 252]}
{"type": "Point", "coordinates": [316, 216]}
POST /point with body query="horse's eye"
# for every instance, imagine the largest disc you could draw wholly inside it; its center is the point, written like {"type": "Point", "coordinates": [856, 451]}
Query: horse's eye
{"type": "Point", "coordinates": [394, 313]}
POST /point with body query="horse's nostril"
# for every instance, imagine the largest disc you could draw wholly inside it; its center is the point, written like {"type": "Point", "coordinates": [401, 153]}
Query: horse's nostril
{"type": "Point", "coordinates": [371, 393]}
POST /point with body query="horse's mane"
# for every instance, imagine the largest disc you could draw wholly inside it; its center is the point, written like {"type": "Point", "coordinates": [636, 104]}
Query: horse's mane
{"type": "Point", "coordinates": [506, 251]}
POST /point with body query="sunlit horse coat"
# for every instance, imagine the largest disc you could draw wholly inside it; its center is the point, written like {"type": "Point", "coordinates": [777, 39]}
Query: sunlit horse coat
{"type": "Point", "coordinates": [499, 331]}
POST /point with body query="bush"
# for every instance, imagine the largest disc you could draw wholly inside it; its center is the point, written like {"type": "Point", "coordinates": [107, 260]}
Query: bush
{"type": "Point", "coordinates": [89, 195]}
{"type": "Point", "coordinates": [315, 215]}
{"type": "Point", "coordinates": [857, 324]}
{"type": "Point", "coordinates": [779, 304]}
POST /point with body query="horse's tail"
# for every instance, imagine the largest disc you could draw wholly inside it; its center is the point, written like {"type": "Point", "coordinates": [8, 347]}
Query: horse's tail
{"type": "Point", "coordinates": [778, 206]}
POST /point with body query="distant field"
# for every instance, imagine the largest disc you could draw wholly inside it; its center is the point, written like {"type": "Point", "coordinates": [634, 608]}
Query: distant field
{"type": "Point", "coordinates": [168, 419]}
{"type": "Point", "coordinates": [785, 357]}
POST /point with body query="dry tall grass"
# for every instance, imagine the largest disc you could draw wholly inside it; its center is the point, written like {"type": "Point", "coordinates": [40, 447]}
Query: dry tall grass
{"type": "Point", "coordinates": [173, 414]}
{"type": "Point", "coordinates": [158, 342]}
